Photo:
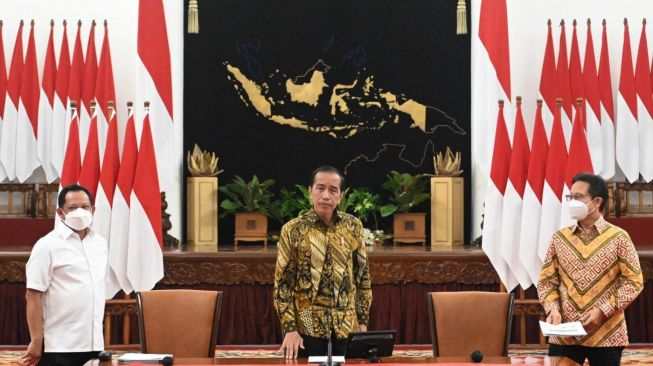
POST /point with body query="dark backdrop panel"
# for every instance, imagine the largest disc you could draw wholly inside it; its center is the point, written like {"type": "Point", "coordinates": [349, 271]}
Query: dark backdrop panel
{"type": "Point", "coordinates": [408, 48]}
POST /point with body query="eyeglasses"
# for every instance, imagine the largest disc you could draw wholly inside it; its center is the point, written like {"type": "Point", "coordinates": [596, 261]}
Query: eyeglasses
{"type": "Point", "coordinates": [571, 197]}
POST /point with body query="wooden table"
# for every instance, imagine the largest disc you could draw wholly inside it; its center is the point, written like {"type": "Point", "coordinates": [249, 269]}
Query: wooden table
{"type": "Point", "coordinates": [552, 361]}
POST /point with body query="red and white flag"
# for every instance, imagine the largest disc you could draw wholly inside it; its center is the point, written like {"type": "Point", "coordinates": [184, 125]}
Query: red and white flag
{"type": "Point", "coordinates": [107, 120]}
{"type": "Point", "coordinates": [493, 217]}
{"type": "Point", "coordinates": [9, 122]}
{"type": "Point", "coordinates": [105, 91]}
{"type": "Point", "coordinates": [548, 82]}
{"type": "Point", "coordinates": [88, 87]}
{"type": "Point", "coordinates": [72, 163]}
{"type": "Point", "coordinates": [592, 110]}
{"type": "Point", "coordinates": [119, 231]}
{"type": "Point", "coordinates": [46, 110]}
{"type": "Point", "coordinates": [75, 79]}
{"type": "Point", "coordinates": [627, 145]}
{"type": "Point", "coordinates": [3, 93]}
{"type": "Point", "coordinates": [532, 206]}
{"type": "Point", "coordinates": [60, 119]}
{"type": "Point", "coordinates": [607, 109]}
{"type": "Point", "coordinates": [491, 58]}
{"type": "Point", "coordinates": [575, 71]}
{"type": "Point", "coordinates": [89, 176]}
{"type": "Point", "coordinates": [512, 202]}
{"type": "Point", "coordinates": [556, 164]}
{"type": "Point", "coordinates": [579, 161]}
{"type": "Point", "coordinates": [644, 107]}
{"type": "Point", "coordinates": [144, 254]}
{"type": "Point", "coordinates": [564, 84]}
{"type": "Point", "coordinates": [155, 86]}
{"type": "Point", "coordinates": [27, 159]}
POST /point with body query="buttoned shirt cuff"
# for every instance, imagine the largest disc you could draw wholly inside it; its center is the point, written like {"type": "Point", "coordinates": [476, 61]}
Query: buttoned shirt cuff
{"type": "Point", "coordinates": [289, 327]}
{"type": "Point", "coordinates": [551, 306]}
{"type": "Point", "coordinates": [607, 309]}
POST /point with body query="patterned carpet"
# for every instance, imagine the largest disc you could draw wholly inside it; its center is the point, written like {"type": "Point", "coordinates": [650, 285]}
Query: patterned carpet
{"type": "Point", "coordinates": [632, 356]}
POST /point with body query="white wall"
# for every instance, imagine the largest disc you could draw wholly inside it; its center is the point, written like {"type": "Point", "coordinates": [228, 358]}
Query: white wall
{"type": "Point", "coordinates": [122, 17]}
{"type": "Point", "coordinates": [527, 32]}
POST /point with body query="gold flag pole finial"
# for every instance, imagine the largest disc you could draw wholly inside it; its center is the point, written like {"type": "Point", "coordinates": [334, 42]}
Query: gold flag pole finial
{"type": "Point", "coordinates": [461, 12]}
{"type": "Point", "coordinates": [193, 17]}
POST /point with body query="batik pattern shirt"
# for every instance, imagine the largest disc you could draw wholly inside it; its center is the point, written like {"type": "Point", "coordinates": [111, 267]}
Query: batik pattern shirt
{"type": "Point", "coordinates": [321, 279]}
{"type": "Point", "coordinates": [586, 269]}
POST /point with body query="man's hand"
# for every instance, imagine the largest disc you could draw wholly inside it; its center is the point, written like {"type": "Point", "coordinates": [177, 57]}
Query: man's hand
{"type": "Point", "coordinates": [362, 328]}
{"type": "Point", "coordinates": [292, 342]}
{"type": "Point", "coordinates": [593, 319]}
{"type": "Point", "coordinates": [33, 353]}
{"type": "Point", "coordinates": [554, 317]}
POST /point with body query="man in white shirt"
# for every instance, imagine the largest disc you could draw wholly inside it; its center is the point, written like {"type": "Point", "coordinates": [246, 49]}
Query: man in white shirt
{"type": "Point", "coordinates": [65, 286]}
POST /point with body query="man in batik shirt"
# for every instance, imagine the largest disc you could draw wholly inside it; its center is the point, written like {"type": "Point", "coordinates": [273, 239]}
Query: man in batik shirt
{"type": "Point", "coordinates": [321, 281]}
{"type": "Point", "coordinates": [591, 273]}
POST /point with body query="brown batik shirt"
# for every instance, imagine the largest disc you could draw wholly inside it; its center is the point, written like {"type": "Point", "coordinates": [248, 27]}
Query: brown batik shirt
{"type": "Point", "coordinates": [322, 279]}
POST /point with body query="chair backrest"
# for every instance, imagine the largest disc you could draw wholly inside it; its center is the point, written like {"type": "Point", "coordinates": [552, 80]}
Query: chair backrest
{"type": "Point", "coordinates": [181, 322]}
{"type": "Point", "coordinates": [463, 322]}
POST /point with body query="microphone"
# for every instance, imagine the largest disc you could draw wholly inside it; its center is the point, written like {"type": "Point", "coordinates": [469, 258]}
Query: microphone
{"type": "Point", "coordinates": [329, 361]}
{"type": "Point", "coordinates": [477, 356]}
{"type": "Point", "coordinates": [104, 356]}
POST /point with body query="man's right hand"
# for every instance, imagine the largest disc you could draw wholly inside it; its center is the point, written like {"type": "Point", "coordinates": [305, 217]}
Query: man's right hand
{"type": "Point", "coordinates": [33, 353]}
{"type": "Point", "coordinates": [292, 342]}
{"type": "Point", "coordinates": [554, 317]}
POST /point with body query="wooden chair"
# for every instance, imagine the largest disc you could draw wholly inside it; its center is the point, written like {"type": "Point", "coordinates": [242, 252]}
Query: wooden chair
{"type": "Point", "coordinates": [463, 322]}
{"type": "Point", "coordinates": [181, 322]}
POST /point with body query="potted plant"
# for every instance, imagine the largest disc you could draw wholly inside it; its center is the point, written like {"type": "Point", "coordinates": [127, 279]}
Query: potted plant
{"type": "Point", "coordinates": [250, 202]}
{"type": "Point", "coordinates": [291, 204]}
{"type": "Point", "coordinates": [202, 200]}
{"type": "Point", "coordinates": [365, 205]}
{"type": "Point", "coordinates": [406, 192]}
{"type": "Point", "coordinates": [447, 200]}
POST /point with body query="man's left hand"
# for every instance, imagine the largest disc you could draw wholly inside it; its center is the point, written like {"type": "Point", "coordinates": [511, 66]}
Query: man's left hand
{"type": "Point", "coordinates": [593, 319]}
{"type": "Point", "coordinates": [362, 328]}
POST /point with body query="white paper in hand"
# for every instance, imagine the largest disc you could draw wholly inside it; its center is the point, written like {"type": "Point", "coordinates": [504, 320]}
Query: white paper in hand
{"type": "Point", "coordinates": [571, 329]}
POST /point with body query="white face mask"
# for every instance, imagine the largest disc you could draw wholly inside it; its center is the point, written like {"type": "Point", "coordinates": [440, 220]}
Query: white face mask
{"type": "Point", "coordinates": [578, 210]}
{"type": "Point", "coordinates": [78, 219]}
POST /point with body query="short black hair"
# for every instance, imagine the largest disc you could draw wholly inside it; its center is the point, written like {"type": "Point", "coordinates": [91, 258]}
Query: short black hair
{"type": "Point", "coordinates": [61, 200]}
{"type": "Point", "coordinates": [328, 169]}
{"type": "Point", "coordinates": [597, 186]}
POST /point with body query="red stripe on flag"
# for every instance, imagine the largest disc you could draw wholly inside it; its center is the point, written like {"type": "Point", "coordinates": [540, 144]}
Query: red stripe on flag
{"type": "Point", "coordinates": [579, 156]}
{"type": "Point", "coordinates": [643, 73]}
{"type": "Point", "coordinates": [501, 155]}
{"type": "Point", "coordinates": [590, 77]}
{"type": "Point", "coordinates": [557, 159]}
{"type": "Point", "coordinates": [605, 84]}
{"type": "Point", "coordinates": [564, 84]}
{"type": "Point", "coordinates": [90, 71]}
{"type": "Point", "coordinates": [63, 69]}
{"type": "Point", "coordinates": [153, 47]}
{"type": "Point", "coordinates": [72, 162]}
{"type": "Point", "coordinates": [627, 78]}
{"type": "Point", "coordinates": [111, 160]}
{"type": "Point", "coordinates": [146, 180]}
{"type": "Point", "coordinates": [539, 152]}
{"type": "Point", "coordinates": [575, 71]}
{"type": "Point", "coordinates": [520, 154]}
{"type": "Point", "coordinates": [127, 169]}
{"type": "Point", "coordinates": [29, 87]}
{"type": "Point", "coordinates": [493, 32]}
{"type": "Point", "coordinates": [16, 68]}
{"type": "Point", "coordinates": [104, 88]}
{"type": "Point", "coordinates": [549, 78]}
{"type": "Point", "coordinates": [89, 176]}
{"type": "Point", "coordinates": [76, 69]}
{"type": "Point", "coordinates": [3, 76]}
{"type": "Point", "coordinates": [49, 69]}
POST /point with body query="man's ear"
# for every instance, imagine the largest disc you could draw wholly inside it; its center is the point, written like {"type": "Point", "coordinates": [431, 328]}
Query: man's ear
{"type": "Point", "coordinates": [60, 213]}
